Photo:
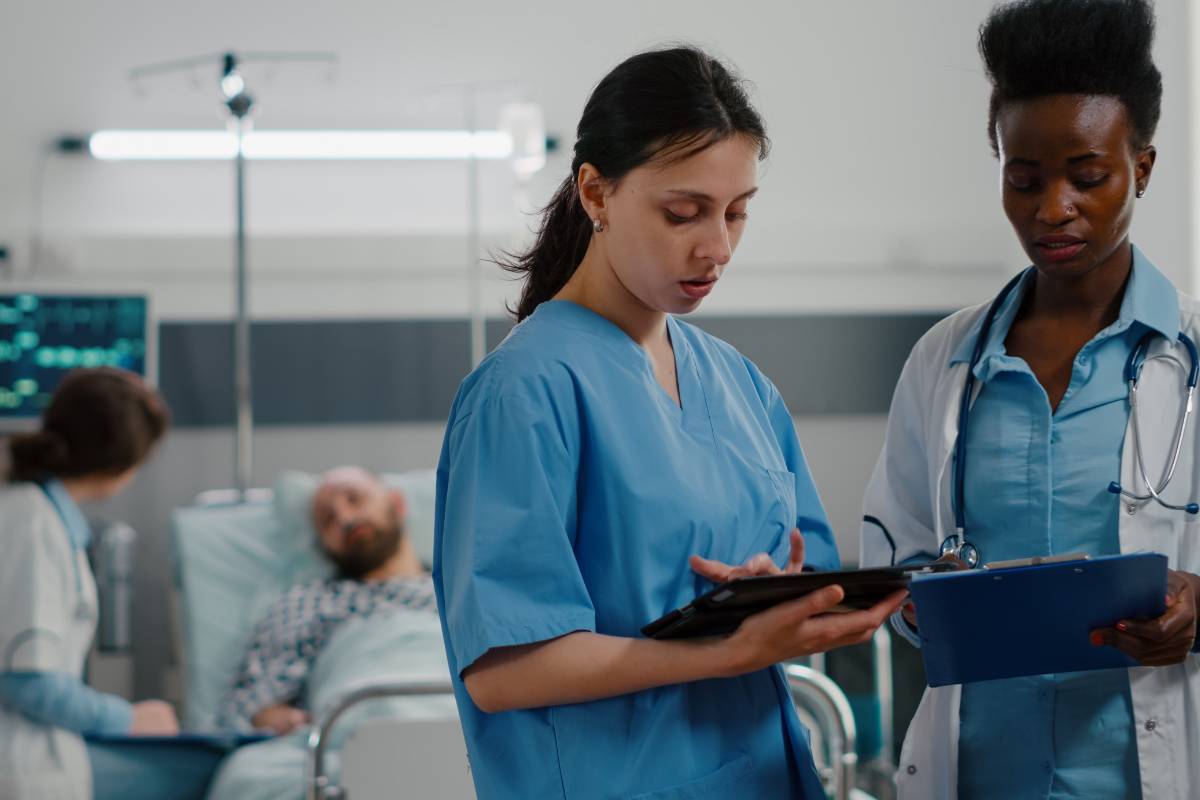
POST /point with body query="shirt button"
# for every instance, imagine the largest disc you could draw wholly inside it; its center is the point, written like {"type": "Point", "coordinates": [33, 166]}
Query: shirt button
{"type": "Point", "coordinates": [1130, 509]}
{"type": "Point", "coordinates": [1151, 724]}
{"type": "Point", "coordinates": [912, 769]}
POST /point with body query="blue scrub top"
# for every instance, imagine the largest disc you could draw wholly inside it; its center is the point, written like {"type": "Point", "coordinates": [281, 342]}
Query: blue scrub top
{"type": "Point", "coordinates": [571, 491]}
{"type": "Point", "coordinates": [1037, 484]}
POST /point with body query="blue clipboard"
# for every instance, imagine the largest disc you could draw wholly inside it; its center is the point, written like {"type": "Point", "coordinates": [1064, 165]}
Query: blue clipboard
{"type": "Point", "coordinates": [983, 624]}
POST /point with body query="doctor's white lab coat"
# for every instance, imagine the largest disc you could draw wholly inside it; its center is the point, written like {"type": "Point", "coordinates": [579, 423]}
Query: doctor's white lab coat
{"type": "Point", "coordinates": [908, 512]}
{"type": "Point", "coordinates": [47, 621]}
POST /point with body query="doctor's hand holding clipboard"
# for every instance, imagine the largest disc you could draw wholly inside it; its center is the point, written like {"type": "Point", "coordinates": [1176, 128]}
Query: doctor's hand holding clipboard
{"type": "Point", "coordinates": [1169, 639]}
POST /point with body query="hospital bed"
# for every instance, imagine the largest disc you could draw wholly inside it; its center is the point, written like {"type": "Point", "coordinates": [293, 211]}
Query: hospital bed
{"type": "Point", "coordinates": [234, 555]}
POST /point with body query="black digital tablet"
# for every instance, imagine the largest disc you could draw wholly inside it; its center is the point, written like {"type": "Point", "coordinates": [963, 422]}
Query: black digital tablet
{"type": "Point", "coordinates": [722, 610]}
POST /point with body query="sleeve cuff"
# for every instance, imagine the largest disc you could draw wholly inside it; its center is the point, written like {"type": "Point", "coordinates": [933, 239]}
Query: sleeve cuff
{"type": "Point", "coordinates": [114, 716]}
{"type": "Point", "coordinates": [473, 642]}
{"type": "Point", "coordinates": [901, 626]}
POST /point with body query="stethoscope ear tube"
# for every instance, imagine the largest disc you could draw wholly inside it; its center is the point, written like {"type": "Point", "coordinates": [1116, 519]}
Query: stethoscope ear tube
{"type": "Point", "coordinates": [1133, 372]}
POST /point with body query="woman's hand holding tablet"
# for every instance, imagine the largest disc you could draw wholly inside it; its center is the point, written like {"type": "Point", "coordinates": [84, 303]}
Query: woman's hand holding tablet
{"type": "Point", "coordinates": [793, 628]}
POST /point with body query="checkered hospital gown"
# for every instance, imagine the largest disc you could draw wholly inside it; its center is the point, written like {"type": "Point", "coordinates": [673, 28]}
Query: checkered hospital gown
{"type": "Point", "coordinates": [289, 638]}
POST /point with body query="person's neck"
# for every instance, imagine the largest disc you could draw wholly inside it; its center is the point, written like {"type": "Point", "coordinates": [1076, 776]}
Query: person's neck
{"type": "Point", "coordinates": [595, 286]}
{"type": "Point", "coordinates": [403, 564]}
{"type": "Point", "coordinates": [1094, 297]}
{"type": "Point", "coordinates": [81, 490]}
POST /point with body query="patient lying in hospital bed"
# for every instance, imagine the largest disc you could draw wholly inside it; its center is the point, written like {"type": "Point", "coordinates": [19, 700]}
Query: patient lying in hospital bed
{"type": "Point", "coordinates": [360, 528]}
{"type": "Point", "coordinates": [359, 612]}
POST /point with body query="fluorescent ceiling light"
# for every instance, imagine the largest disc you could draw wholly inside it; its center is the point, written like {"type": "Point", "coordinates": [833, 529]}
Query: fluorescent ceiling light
{"type": "Point", "coordinates": [125, 145]}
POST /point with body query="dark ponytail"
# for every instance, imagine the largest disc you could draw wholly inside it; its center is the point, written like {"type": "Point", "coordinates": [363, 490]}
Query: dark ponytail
{"type": "Point", "coordinates": [660, 105]}
{"type": "Point", "coordinates": [99, 422]}
{"type": "Point", "coordinates": [38, 454]}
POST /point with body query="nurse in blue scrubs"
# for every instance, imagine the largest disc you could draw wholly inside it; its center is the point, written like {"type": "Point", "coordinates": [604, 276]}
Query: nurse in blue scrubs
{"type": "Point", "coordinates": [608, 461]}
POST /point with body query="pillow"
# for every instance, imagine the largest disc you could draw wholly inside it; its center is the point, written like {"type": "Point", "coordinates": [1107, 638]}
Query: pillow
{"type": "Point", "coordinates": [225, 560]}
{"type": "Point", "coordinates": [299, 553]}
{"type": "Point", "coordinates": [420, 490]}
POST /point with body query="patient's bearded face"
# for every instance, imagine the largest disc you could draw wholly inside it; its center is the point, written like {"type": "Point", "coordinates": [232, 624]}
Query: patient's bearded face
{"type": "Point", "coordinates": [358, 522]}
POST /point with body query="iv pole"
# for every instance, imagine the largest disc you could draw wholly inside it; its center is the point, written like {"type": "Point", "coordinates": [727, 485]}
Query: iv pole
{"type": "Point", "coordinates": [239, 104]}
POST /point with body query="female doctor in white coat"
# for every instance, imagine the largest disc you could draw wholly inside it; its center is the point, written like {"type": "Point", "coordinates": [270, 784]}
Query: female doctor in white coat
{"type": "Point", "coordinates": [1049, 459]}
{"type": "Point", "coordinates": [99, 427]}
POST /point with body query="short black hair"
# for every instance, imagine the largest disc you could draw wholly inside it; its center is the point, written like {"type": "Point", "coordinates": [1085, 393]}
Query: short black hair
{"type": "Point", "coordinates": [1036, 48]}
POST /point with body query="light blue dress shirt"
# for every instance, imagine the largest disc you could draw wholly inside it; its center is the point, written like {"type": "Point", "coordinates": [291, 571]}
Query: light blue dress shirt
{"type": "Point", "coordinates": [1036, 484]}
{"type": "Point", "coordinates": [571, 491]}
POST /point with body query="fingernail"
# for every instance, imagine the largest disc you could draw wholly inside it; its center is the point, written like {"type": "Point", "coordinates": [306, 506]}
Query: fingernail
{"type": "Point", "coordinates": [1097, 638]}
{"type": "Point", "coordinates": [1122, 627]}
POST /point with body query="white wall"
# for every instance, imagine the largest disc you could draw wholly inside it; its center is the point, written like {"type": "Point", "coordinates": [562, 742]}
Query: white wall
{"type": "Point", "coordinates": [880, 193]}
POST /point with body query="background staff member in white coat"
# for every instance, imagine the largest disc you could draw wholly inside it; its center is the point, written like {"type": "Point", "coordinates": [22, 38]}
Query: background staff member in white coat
{"type": "Point", "coordinates": [1075, 102]}
{"type": "Point", "coordinates": [100, 426]}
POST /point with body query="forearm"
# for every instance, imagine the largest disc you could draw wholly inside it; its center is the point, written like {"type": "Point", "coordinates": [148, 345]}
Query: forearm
{"type": "Point", "coordinates": [64, 701]}
{"type": "Point", "coordinates": [584, 666]}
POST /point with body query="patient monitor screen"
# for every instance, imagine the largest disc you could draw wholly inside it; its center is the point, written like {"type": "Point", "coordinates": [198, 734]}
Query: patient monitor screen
{"type": "Point", "coordinates": [43, 337]}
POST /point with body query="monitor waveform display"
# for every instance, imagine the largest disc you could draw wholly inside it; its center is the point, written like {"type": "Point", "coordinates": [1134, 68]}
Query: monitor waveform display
{"type": "Point", "coordinates": [43, 337]}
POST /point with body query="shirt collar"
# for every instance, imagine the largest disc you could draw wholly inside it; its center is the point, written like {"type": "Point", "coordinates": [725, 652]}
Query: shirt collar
{"type": "Point", "coordinates": [78, 529]}
{"type": "Point", "coordinates": [1150, 299]}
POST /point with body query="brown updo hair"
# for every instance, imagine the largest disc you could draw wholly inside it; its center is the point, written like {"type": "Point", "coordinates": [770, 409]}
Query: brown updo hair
{"type": "Point", "coordinates": [101, 421]}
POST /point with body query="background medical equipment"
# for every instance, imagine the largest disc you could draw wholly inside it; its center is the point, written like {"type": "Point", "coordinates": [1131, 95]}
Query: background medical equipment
{"type": "Point", "coordinates": [43, 337]}
{"type": "Point", "coordinates": [113, 548]}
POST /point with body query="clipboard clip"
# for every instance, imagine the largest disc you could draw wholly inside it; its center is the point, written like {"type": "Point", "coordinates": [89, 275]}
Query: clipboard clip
{"type": "Point", "coordinates": [1034, 561]}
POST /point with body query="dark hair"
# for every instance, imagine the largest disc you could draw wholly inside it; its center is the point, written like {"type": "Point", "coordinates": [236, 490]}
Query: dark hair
{"type": "Point", "coordinates": [662, 104]}
{"type": "Point", "coordinates": [99, 422]}
{"type": "Point", "coordinates": [1034, 48]}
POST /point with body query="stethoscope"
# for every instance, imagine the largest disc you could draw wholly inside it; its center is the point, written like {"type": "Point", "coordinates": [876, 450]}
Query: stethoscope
{"type": "Point", "coordinates": [957, 544]}
{"type": "Point", "coordinates": [83, 610]}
